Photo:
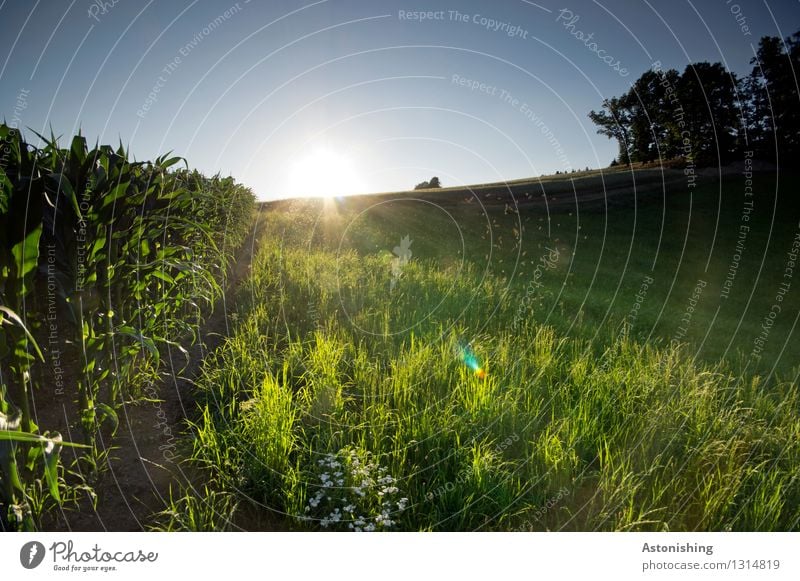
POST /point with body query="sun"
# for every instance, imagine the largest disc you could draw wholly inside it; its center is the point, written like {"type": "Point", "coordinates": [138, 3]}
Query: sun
{"type": "Point", "coordinates": [324, 173]}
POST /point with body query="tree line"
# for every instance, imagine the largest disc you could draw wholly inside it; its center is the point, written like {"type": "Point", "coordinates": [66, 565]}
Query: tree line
{"type": "Point", "coordinates": [707, 114]}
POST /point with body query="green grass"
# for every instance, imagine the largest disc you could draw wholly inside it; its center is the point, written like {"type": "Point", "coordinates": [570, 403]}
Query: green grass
{"type": "Point", "coordinates": [604, 259]}
{"type": "Point", "coordinates": [580, 424]}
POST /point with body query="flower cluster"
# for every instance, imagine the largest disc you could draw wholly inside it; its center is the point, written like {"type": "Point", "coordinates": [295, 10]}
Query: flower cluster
{"type": "Point", "coordinates": [352, 492]}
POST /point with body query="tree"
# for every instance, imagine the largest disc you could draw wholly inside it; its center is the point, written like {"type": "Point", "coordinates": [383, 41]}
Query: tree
{"type": "Point", "coordinates": [708, 95]}
{"type": "Point", "coordinates": [773, 116]}
{"type": "Point", "coordinates": [433, 183]}
{"type": "Point", "coordinates": [613, 121]}
{"type": "Point", "coordinates": [654, 116]}
{"type": "Point", "coordinates": [666, 115]}
{"type": "Point", "coordinates": [707, 115]}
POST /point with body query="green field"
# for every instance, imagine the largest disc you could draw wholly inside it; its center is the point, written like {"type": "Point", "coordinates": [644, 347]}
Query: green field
{"type": "Point", "coordinates": [439, 364]}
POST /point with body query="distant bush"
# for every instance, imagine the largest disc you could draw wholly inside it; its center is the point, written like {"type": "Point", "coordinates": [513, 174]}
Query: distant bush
{"type": "Point", "coordinates": [433, 183]}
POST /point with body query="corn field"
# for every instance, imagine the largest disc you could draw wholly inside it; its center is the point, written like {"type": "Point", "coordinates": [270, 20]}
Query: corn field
{"type": "Point", "coordinates": [106, 262]}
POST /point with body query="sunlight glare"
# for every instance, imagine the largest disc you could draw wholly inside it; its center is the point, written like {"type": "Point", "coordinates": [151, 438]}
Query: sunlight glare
{"type": "Point", "coordinates": [324, 173]}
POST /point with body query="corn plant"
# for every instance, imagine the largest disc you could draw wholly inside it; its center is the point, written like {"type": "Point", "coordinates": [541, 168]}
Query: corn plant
{"type": "Point", "coordinates": [22, 448]}
{"type": "Point", "coordinates": [140, 252]}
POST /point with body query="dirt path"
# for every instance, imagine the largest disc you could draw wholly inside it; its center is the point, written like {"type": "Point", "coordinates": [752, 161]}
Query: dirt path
{"type": "Point", "coordinates": [146, 456]}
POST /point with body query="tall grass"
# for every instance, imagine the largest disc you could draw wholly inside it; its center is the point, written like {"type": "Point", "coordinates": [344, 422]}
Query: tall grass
{"type": "Point", "coordinates": [563, 433]}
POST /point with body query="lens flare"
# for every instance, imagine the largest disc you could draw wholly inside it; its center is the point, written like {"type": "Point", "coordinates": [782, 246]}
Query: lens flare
{"type": "Point", "coordinates": [467, 355]}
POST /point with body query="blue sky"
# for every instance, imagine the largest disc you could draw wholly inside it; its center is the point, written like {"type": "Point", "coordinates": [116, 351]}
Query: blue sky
{"type": "Point", "coordinates": [264, 90]}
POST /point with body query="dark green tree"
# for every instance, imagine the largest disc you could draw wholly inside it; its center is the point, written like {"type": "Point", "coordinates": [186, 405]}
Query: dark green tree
{"type": "Point", "coordinates": [433, 183]}
{"type": "Point", "coordinates": [614, 121]}
{"type": "Point", "coordinates": [654, 116]}
{"type": "Point", "coordinates": [708, 94]}
{"type": "Point", "coordinates": [665, 115]}
{"type": "Point", "coordinates": [773, 121]}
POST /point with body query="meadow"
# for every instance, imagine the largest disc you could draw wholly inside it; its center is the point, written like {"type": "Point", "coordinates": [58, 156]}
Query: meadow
{"type": "Point", "coordinates": [397, 363]}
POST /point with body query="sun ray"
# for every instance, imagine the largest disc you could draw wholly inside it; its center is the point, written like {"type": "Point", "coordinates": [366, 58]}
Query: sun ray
{"type": "Point", "coordinates": [323, 172]}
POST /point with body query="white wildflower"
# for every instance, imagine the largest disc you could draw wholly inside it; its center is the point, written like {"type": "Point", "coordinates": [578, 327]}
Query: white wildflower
{"type": "Point", "coordinates": [343, 479]}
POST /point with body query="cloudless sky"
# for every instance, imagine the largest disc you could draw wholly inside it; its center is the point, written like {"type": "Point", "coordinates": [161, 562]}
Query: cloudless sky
{"type": "Point", "coordinates": [257, 89]}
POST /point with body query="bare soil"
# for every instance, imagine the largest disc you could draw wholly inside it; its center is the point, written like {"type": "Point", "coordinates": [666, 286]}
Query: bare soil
{"type": "Point", "coordinates": [147, 451]}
